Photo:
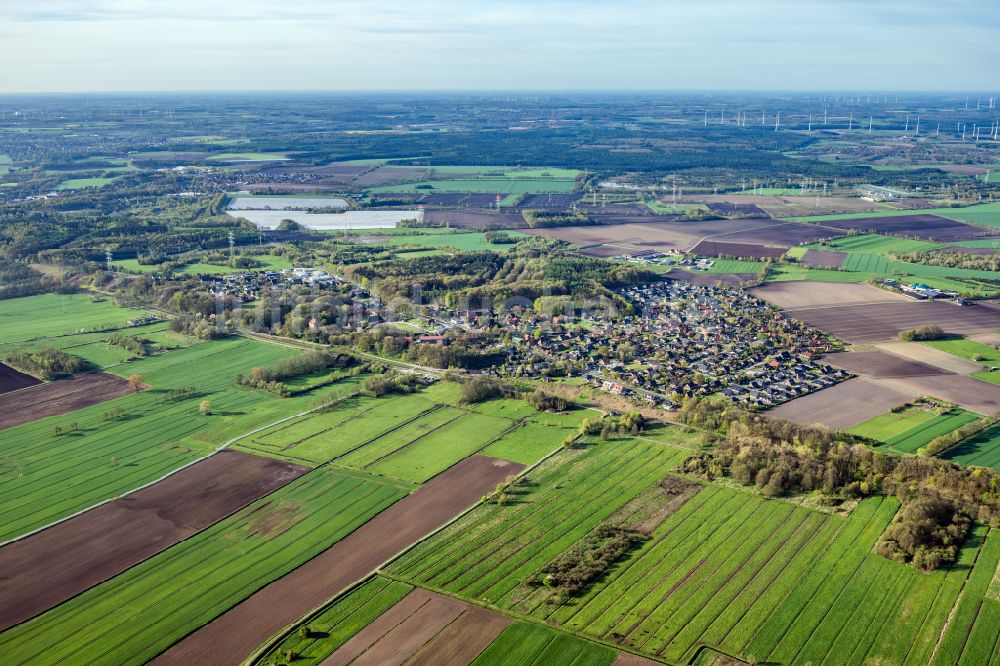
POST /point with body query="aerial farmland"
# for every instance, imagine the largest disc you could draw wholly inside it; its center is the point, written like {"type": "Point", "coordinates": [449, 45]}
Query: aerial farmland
{"type": "Point", "coordinates": [578, 379]}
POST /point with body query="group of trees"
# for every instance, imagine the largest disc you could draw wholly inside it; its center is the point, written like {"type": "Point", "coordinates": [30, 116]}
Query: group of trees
{"type": "Point", "coordinates": [608, 426]}
{"type": "Point", "coordinates": [538, 219]}
{"type": "Point", "coordinates": [272, 378]}
{"type": "Point", "coordinates": [478, 389]}
{"type": "Point", "coordinates": [201, 328]}
{"type": "Point", "coordinates": [133, 345]}
{"type": "Point", "coordinates": [781, 458]}
{"type": "Point", "coordinates": [546, 402]}
{"type": "Point", "coordinates": [47, 363]}
{"type": "Point", "coordinates": [927, 532]}
{"type": "Point", "coordinates": [494, 281]}
{"type": "Point", "coordinates": [952, 258]}
{"type": "Point", "coordinates": [390, 382]}
{"type": "Point", "coordinates": [922, 332]}
{"type": "Point", "coordinates": [574, 569]}
{"type": "Point", "coordinates": [944, 442]}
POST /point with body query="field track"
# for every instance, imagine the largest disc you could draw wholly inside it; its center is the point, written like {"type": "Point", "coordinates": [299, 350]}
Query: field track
{"type": "Point", "coordinates": [13, 380]}
{"type": "Point", "coordinates": [55, 564]}
{"type": "Point", "coordinates": [59, 397]}
{"type": "Point", "coordinates": [237, 633]}
{"type": "Point", "coordinates": [423, 628]}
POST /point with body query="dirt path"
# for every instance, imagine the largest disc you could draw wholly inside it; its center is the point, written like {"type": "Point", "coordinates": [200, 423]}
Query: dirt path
{"type": "Point", "coordinates": [234, 635]}
{"type": "Point", "coordinates": [49, 567]}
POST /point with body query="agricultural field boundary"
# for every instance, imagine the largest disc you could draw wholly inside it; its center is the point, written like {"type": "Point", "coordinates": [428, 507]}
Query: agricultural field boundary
{"type": "Point", "coordinates": [219, 448]}
{"type": "Point", "coordinates": [255, 656]}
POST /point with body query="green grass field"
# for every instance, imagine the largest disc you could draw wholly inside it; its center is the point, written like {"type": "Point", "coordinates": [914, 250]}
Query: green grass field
{"type": "Point", "coordinates": [778, 192]}
{"type": "Point", "coordinates": [876, 244]}
{"type": "Point", "coordinates": [464, 241]}
{"type": "Point", "coordinates": [268, 262]}
{"type": "Point", "coordinates": [735, 266]}
{"type": "Point", "coordinates": [134, 616]}
{"type": "Point", "coordinates": [247, 156]}
{"type": "Point", "coordinates": [863, 262]}
{"type": "Point", "coordinates": [47, 476]}
{"type": "Point", "coordinates": [91, 346]}
{"type": "Point", "coordinates": [974, 630]}
{"type": "Point", "coordinates": [519, 185]}
{"type": "Point", "coordinates": [339, 621]}
{"type": "Point", "coordinates": [529, 173]}
{"type": "Point", "coordinates": [409, 437]}
{"type": "Point", "coordinates": [765, 580]}
{"type": "Point", "coordinates": [920, 434]}
{"type": "Point", "coordinates": [860, 266]}
{"type": "Point", "coordinates": [81, 183]}
{"type": "Point", "coordinates": [49, 315]}
{"type": "Point", "coordinates": [529, 644]}
{"type": "Point", "coordinates": [974, 351]}
{"type": "Point", "coordinates": [5, 162]}
{"type": "Point", "coordinates": [784, 272]}
{"type": "Point", "coordinates": [983, 214]}
{"type": "Point", "coordinates": [521, 643]}
{"type": "Point", "coordinates": [982, 449]}
{"type": "Point", "coordinates": [886, 426]}
{"type": "Point", "coordinates": [531, 441]}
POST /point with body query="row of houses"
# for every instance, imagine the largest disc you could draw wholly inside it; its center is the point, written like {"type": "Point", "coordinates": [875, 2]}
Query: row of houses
{"type": "Point", "coordinates": [685, 339]}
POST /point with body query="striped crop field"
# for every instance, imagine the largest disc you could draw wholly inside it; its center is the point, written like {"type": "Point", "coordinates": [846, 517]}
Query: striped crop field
{"type": "Point", "coordinates": [136, 615]}
{"type": "Point", "coordinates": [48, 476]}
{"type": "Point", "coordinates": [765, 580]}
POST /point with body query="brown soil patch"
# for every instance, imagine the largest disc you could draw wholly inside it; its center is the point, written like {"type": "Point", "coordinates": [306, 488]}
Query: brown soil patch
{"type": "Point", "coordinates": [476, 220]}
{"type": "Point", "coordinates": [714, 248]}
{"type": "Point", "coordinates": [926, 227]}
{"type": "Point", "coordinates": [807, 294]}
{"type": "Point", "coordinates": [780, 233]}
{"type": "Point", "coordinates": [625, 235]}
{"type": "Point", "coordinates": [712, 279]}
{"type": "Point", "coordinates": [275, 521]}
{"type": "Point", "coordinates": [880, 364]}
{"type": "Point", "coordinates": [791, 206]}
{"type": "Point", "coordinates": [59, 397]}
{"type": "Point", "coordinates": [883, 321]}
{"type": "Point", "coordinates": [823, 258]}
{"type": "Point", "coordinates": [427, 627]}
{"type": "Point", "coordinates": [992, 339]}
{"type": "Point", "coordinates": [14, 380]}
{"type": "Point", "coordinates": [234, 635]}
{"type": "Point", "coordinates": [51, 566]}
{"type": "Point", "coordinates": [844, 405]}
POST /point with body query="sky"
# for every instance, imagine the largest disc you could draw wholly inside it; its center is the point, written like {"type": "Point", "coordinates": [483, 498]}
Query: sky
{"type": "Point", "coordinates": [216, 45]}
